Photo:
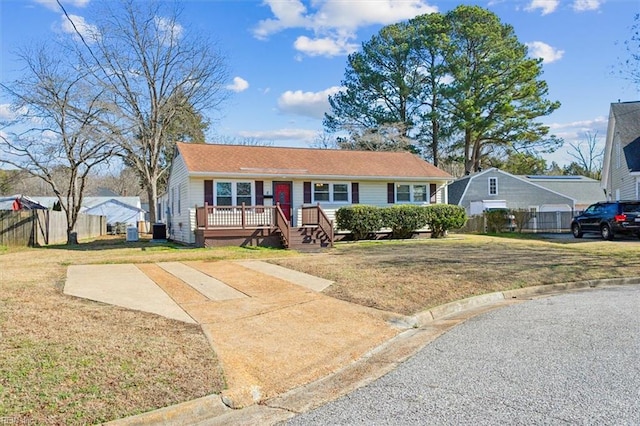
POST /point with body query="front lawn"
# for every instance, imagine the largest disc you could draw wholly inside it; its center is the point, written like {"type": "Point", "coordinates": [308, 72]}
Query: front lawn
{"type": "Point", "coordinates": [413, 275]}
{"type": "Point", "coordinates": [65, 360]}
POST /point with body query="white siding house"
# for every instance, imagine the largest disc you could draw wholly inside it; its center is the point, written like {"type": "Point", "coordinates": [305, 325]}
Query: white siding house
{"type": "Point", "coordinates": [621, 164]}
{"type": "Point", "coordinates": [226, 177]}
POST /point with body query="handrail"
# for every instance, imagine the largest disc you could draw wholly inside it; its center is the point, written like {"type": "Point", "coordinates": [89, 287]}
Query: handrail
{"type": "Point", "coordinates": [242, 216]}
{"type": "Point", "coordinates": [282, 224]}
{"type": "Point", "coordinates": [325, 224]}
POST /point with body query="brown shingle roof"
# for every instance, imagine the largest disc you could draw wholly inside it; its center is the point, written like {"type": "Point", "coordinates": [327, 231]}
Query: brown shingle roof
{"type": "Point", "coordinates": [263, 160]}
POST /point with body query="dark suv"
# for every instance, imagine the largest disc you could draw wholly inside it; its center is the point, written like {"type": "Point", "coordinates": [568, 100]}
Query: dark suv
{"type": "Point", "coordinates": [608, 219]}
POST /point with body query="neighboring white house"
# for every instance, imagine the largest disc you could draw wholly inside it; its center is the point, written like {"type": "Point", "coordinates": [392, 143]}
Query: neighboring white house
{"type": "Point", "coordinates": [116, 212]}
{"type": "Point", "coordinates": [621, 164]}
{"type": "Point", "coordinates": [225, 176]}
{"type": "Point", "coordinates": [125, 210]}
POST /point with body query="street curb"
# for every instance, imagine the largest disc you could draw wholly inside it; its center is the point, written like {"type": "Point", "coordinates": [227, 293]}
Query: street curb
{"type": "Point", "coordinates": [427, 326]}
{"type": "Point", "coordinates": [186, 413]}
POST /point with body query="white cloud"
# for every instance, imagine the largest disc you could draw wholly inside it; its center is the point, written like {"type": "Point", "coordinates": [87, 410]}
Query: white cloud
{"type": "Point", "coordinates": [53, 5]}
{"type": "Point", "coordinates": [288, 14]}
{"type": "Point", "coordinates": [168, 29]}
{"type": "Point", "coordinates": [324, 46]}
{"type": "Point", "coordinates": [539, 49]}
{"type": "Point", "coordinates": [239, 85]}
{"type": "Point", "coordinates": [351, 15]}
{"type": "Point", "coordinates": [573, 133]}
{"type": "Point", "coordinates": [335, 22]}
{"type": "Point", "coordinates": [597, 124]}
{"type": "Point", "coordinates": [309, 104]}
{"type": "Point", "coordinates": [303, 135]}
{"type": "Point", "coordinates": [586, 5]}
{"type": "Point", "coordinates": [546, 6]}
{"type": "Point", "coordinates": [6, 113]}
{"type": "Point", "coordinates": [89, 32]}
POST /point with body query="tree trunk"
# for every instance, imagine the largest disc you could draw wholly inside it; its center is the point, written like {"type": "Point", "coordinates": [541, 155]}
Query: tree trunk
{"type": "Point", "coordinates": [435, 128]}
{"type": "Point", "coordinates": [152, 194]}
{"type": "Point", "coordinates": [468, 160]}
{"type": "Point", "coordinates": [72, 237]}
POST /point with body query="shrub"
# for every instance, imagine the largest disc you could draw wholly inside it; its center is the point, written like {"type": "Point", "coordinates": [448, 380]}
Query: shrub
{"type": "Point", "coordinates": [496, 220]}
{"type": "Point", "coordinates": [442, 217]}
{"type": "Point", "coordinates": [521, 217]}
{"type": "Point", "coordinates": [361, 220]}
{"type": "Point", "coordinates": [404, 219]}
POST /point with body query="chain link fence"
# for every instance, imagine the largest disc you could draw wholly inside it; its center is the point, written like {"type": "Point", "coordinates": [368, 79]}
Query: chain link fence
{"type": "Point", "coordinates": [520, 221]}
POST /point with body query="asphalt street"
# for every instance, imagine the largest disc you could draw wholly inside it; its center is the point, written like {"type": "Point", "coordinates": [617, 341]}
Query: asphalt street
{"type": "Point", "coordinates": [567, 359]}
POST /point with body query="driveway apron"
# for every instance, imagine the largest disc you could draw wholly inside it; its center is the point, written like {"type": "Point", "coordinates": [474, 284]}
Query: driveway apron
{"type": "Point", "coordinates": [270, 335]}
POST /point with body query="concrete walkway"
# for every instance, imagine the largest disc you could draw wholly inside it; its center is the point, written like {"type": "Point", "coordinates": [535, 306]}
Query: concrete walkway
{"type": "Point", "coordinates": [281, 344]}
{"type": "Point", "coordinates": [270, 327]}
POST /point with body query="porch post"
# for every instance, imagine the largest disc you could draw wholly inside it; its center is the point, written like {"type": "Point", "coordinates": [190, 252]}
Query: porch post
{"type": "Point", "coordinates": [206, 215]}
{"type": "Point", "coordinates": [243, 217]}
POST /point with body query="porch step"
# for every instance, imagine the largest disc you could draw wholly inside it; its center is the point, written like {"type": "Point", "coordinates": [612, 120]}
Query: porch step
{"type": "Point", "coordinates": [308, 239]}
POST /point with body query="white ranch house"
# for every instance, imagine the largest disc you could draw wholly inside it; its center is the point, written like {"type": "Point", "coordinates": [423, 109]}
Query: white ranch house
{"type": "Point", "coordinates": [254, 195]}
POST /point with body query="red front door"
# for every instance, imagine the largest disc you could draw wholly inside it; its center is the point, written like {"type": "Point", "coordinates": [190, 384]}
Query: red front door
{"type": "Point", "coordinates": [282, 195]}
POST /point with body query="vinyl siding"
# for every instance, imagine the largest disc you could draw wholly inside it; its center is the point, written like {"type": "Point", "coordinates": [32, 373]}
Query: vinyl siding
{"type": "Point", "coordinates": [618, 170]}
{"type": "Point", "coordinates": [372, 193]}
{"type": "Point", "coordinates": [517, 193]}
{"type": "Point", "coordinates": [180, 226]}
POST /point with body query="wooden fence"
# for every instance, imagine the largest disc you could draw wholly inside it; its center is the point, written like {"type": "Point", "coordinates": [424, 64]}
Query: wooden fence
{"type": "Point", "coordinates": [43, 227]}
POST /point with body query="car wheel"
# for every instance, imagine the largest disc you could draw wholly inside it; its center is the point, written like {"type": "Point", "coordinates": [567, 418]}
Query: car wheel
{"type": "Point", "coordinates": [605, 231]}
{"type": "Point", "coordinates": [575, 230]}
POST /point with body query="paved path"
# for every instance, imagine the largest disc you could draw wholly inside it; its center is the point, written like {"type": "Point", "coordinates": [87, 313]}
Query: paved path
{"type": "Point", "coordinates": [567, 359]}
{"type": "Point", "coordinates": [270, 334]}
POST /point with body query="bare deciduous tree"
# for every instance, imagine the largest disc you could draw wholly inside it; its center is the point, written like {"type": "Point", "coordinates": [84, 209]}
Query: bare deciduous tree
{"type": "Point", "coordinates": [324, 140]}
{"type": "Point", "coordinates": [154, 71]}
{"type": "Point", "coordinates": [56, 135]}
{"type": "Point", "coordinates": [242, 140]}
{"type": "Point", "coordinates": [386, 137]}
{"type": "Point", "coordinates": [588, 155]}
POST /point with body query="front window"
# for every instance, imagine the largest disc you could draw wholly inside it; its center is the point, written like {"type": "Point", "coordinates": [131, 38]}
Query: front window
{"type": "Point", "coordinates": [340, 192]}
{"type": "Point", "coordinates": [420, 193]}
{"type": "Point", "coordinates": [321, 192]}
{"type": "Point", "coordinates": [233, 193]}
{"type": "Point", "coordinates": [493, 186]}
{"type": "Point", "coordinates": [331, 192]}
{"type": "Point", "coordinates": [407, 193]}
{"type": "Point", "coordinates": [403, 193]}
{"type": "Point", "coordinates": [223, 194]}
{"type": "Point", "coordinates": [243, 193]}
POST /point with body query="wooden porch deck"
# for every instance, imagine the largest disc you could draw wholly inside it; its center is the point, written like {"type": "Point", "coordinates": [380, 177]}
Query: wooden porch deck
{"type": "Point", "coordinates": [265, 226]}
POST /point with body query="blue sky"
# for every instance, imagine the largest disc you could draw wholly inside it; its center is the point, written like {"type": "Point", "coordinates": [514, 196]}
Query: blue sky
{"type": "Point", "coordinates": [286, 56]}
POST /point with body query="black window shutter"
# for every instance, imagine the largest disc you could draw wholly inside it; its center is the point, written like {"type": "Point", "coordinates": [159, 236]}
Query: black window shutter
{"type": "Point", "coordinates": [355, 193]}
{"type": "Point", "coordinates": [391, 193]}
{"type": "Point", "coordinates": [307, 192]}
{"type": "Point", "coordinates": [433, 189]}
{"type": "Point", "coordinates": [259, 193]}
{"type": "Point", "coordinates": [208, 192]}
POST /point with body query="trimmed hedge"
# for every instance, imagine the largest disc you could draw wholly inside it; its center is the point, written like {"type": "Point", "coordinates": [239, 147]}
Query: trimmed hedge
{"type": "Point", "coordinates": [403, 219]}
{"type": "Point", "coordinates": [361, 220]}
{"type": "Point", "coordinates": [442, 217]}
